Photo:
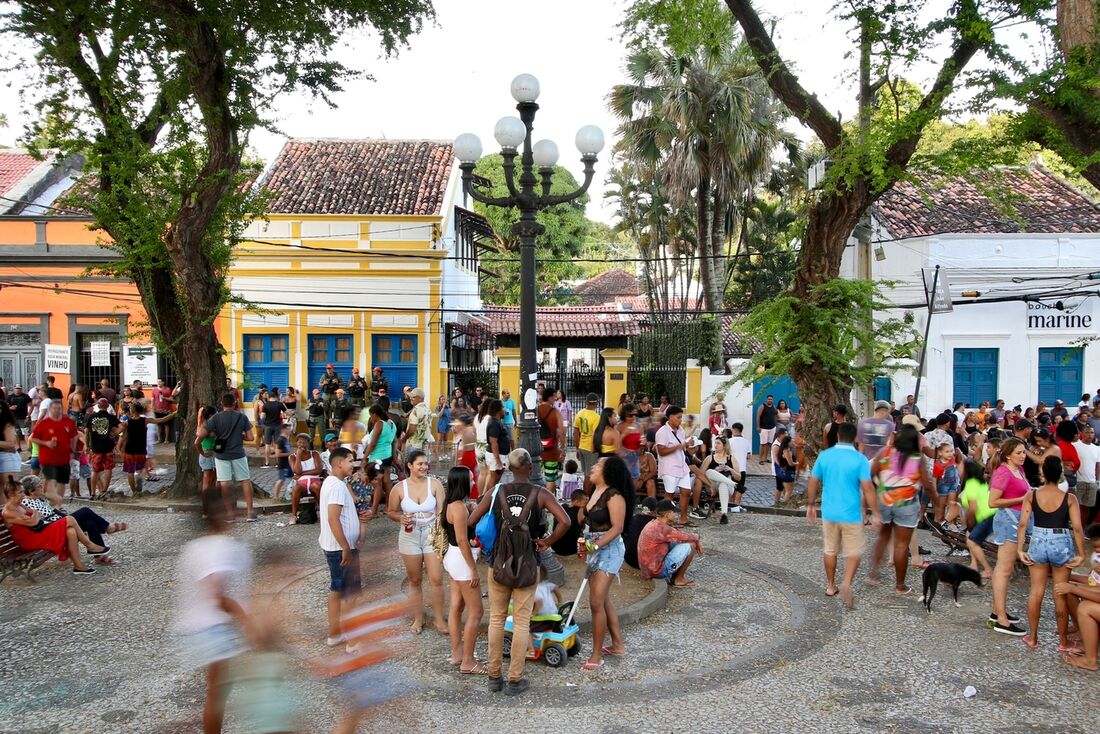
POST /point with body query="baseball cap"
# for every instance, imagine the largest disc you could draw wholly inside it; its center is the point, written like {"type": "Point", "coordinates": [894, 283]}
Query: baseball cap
{"type": "Point", "coordinates": [882, 405]}
{"type": "Point", "coordinates": [355, 370]}
{"type": "Point", "coordinates": [18, 387]}
{"type": "Point", "coordinates": [1023, 424]}
{"type": "Point", "coordinates": [329, 366]}
{"type": "Point", "coordinates": [912, 420]}
{"type": "Point", "coordinates": [592, 398]}
{"type": "Point", "coordinates": [1059, 402]}
{"type": "Point", "coordinates": [330, 437]}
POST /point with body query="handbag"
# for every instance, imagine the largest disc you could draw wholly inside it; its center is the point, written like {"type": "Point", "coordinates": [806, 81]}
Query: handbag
{"type": "Point", "coordinates": [437, 537]}
{"type": "Point", "coordinates": [219, 442]}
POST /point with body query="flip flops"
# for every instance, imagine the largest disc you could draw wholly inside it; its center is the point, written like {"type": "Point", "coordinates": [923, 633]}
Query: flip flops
{"type": "Point", "coordinates": [608, 651]}
{"type": "Point", "coordinates": [590, 666]}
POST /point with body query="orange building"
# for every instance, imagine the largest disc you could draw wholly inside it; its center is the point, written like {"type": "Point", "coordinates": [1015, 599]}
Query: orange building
{"type": "Point", "coordinates": [54, 318]}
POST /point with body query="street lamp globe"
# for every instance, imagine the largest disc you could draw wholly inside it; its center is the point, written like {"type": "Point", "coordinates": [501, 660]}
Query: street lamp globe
{"type": "Point", "coordinates": [545, 153]}
{"type": "Point", "coordinates": [589, 140]}
{"type": "Point", "coordinates": [525, 88]}
{"type": "Point", "coordinates": [510, 132]}
{"type": "Point", "coordinates": [467, 147]}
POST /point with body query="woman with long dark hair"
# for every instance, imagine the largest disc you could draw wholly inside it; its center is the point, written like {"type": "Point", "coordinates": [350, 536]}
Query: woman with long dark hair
{"type": "Point", "coordinates": [1057, 547]}
{"type": "Point", "coordinates": [899, 473]}
{"type": "Point", "coordinates": [460, 564]}
{"type": "Point", "coordinates": [605, 514]}
{"type": "Point", "coordinates": [631, 438]}
{"type": "Point", "coordinates": [414, 504]}
{"type": "Point", "coordinates": [10, 463]}
{"type": "Point", "coordinates": [606, 439]}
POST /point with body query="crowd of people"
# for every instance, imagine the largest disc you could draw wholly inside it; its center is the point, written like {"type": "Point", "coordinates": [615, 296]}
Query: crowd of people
{"type": "Point", "coordinates": [1024, 479]}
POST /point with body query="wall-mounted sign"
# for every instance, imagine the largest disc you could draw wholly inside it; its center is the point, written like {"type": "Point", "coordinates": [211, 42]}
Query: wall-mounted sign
{"type": "Point", "coordinates": [139, 362]}
{"type": "Point", "coordinates": [101, 354]}
{"type": "Point", "coordinates": [57, 358]}
{"type": "Point", "coordinates": [1043, 316]}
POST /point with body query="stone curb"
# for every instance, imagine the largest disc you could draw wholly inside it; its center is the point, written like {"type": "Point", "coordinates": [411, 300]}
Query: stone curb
{"type": "Point", "coordinates": [170, 506]}
{"type": "Point", "coordinates": [781, 511]}
{"type": "Point", "coordinates": [639, 610]}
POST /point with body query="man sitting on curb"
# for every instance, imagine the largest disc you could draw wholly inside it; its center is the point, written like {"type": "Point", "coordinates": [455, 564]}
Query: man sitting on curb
{"type": "Point", "coordinates": [665, 552]}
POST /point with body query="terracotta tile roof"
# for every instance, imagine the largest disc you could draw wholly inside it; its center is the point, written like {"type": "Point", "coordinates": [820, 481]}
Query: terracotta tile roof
{"type": "Point", "coordinates": [607, 287]}
{"type": "Point", "coordinates": [1040, 202]}
{"type": "Point", "coordinates": [734, 343]}
{"type": "Point", "coordinates": [15, 165]}
{"type": "Point", "coordinates": [566, 321]}
{"type": "Point", "coordinates": [328, 176]}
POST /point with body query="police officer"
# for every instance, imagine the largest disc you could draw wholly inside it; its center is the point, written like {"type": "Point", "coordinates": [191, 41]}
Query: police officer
{"type": "Point", "coordinates": [330, 383]}
{"type": "Point", "coordinates": [378, 384]}
{"type": "Point", "coordinates": [357, 389]}
{"type": "Point", "coordinates": [315, 416]}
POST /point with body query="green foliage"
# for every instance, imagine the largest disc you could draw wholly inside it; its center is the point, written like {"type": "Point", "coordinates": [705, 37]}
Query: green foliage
{"type": "Point", "coordinates": [771, 255]}
{"type": "Point", "coordinates": [567, 229]}
{"type": "Point", "coordinates": [671, 344]}
{"type": "Point", "coordinates": [681, 26]}
{"type": "Point", "coordinates": [829, 332]}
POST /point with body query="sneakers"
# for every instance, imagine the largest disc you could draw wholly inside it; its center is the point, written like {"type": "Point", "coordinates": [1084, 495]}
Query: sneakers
{"type": "Point", "coordinates": [496, 684]}
{"type": "Point", "coordinates": [334, 641]}
{"type": "Point", "coordinates": [252, 517]}
{"type": "Point", "coordinates": [1012, 629]}
{"type": "Point", "coordinates": [516, 687]}
{"type": "Point", "coordinates": [696, 514]}
{"type": "Point", "coordinates": [83, 571]}
{"type": "Point", "coordinates": [724, 520]}
{"type": "Point", "coordinates": [1012, 618]}
{"type": "Point", "coordinates": [736, 508]}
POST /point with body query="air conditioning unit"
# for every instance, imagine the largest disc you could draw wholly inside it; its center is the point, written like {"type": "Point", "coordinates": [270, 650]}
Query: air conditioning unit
{"type": "Point", "coordinates": [815, 174]}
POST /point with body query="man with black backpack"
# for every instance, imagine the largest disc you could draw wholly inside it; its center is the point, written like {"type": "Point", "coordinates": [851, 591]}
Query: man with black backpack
{"type": "Point", "coordinates": [514, 575]}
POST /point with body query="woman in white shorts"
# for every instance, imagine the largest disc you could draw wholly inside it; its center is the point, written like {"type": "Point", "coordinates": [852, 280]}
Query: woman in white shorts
{"type": "Point", "coordinates": [460, 563]}
{"type": "Point", "coordinates": [414, 504]}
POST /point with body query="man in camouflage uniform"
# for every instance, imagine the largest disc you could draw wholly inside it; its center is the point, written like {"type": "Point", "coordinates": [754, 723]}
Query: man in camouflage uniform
{"type": "Point", "coordinates": [357, 389]}
{"type": "Point", "coordinates": [330, 383]}
{"type": "Point", "coordinates": [377, 383]}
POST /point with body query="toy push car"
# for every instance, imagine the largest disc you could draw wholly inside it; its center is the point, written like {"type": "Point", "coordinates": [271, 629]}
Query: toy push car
{"type": "Point", "coordinates": [554, 636]}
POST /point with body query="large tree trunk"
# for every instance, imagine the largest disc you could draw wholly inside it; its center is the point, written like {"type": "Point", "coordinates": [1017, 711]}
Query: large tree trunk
{"type": "Point", "coordinates": [719, 275]}
{"type": "Point", "coordinates": [830, 223]}
{"type": "Point", "coordinates": [703, 213]}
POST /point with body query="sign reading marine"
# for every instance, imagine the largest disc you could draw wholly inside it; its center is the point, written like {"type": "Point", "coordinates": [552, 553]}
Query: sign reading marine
{"type": "Point", "coordinates": [1042, 316]}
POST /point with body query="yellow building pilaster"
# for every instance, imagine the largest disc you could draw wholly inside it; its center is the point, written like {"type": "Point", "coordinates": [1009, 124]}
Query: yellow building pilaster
{"type": "Point", "coordinates": [508, 375]}
{"type": "Point", "coordinates": [615, 364]}
{"type": "Point", "coordinates": [693, 388]}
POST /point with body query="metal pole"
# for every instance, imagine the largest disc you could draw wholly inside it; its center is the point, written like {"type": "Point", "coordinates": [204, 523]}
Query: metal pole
{"type": "Point", "coordinates": [927, 326]}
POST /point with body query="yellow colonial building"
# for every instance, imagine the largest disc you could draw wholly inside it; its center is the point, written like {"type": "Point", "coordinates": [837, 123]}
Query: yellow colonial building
{"type": "Point", "coordinates": [357, 264]}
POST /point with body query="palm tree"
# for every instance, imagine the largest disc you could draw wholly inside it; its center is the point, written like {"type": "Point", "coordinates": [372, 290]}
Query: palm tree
{"type": "Point", "coordinates": [708, 125]}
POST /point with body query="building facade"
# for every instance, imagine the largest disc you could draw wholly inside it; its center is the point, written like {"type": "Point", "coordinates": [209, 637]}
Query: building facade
{"type": "Point", "coordinates": [1016, 247]}
{"type": "Point", "coordinates": [356, 264]}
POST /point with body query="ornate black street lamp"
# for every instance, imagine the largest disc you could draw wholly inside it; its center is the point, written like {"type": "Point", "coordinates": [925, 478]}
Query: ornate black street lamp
{"type": "Point", "coordinates": [512, 132]}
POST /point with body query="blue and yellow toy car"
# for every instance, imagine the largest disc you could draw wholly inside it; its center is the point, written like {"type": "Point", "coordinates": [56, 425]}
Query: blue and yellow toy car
{"type": "Point", "coordinates": [554, 640]}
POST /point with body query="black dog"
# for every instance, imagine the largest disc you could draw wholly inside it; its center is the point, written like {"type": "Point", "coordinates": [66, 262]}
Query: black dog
{"type": "Point", "coordinates": [952, 574]}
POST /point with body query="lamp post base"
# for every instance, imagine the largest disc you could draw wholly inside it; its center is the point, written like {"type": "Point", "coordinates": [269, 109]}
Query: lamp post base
{"type": "Point", "coordinates": [529, 439]}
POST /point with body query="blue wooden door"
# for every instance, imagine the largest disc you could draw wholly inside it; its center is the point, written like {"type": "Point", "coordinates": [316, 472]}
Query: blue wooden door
{"type": "Point", "coordinates": [266, 362]}
{"type": "Point", "coordinates": [780, 388]}
{"type": "Point", "coordinates": [334, 349]}
{"type": "Point", "coordinates": [1060, 374]}
{"type": "Point", "coordinates": [397, 355]}
{"type": "Point", "coordinates": [883, 389]}
{"type": "Point", "coordinates": [975, 378]}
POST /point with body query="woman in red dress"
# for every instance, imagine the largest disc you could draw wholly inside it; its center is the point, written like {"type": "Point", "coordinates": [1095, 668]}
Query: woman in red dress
{"type": "Point", "coordinates": [60, 537]}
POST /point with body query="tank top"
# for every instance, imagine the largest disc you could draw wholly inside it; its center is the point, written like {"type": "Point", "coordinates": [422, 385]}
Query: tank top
{"type": "Point", "coordinates": [831, 437]}
{"type": "Point", "coordinates": [1059, 518]}
{"type": "Point", "coordinates": [408, 506]}
{"type": "Point", "coordinates": [632, 441]}
{"type": "Point", "coordinates": [449, 529]}
{"type": "Point", "coordinates": [607, 449]}
{"type": "Point", "coordinates": [135, 436]}
{"type": "Point", "coordinates": [1012, 487]}
{"type": "Point", "coordinates": [767, 417]}
{"type": "Point", "coordinates": [728, 463]}
{"type": "Point", "coordinates": [783, 416]}
{"type": "Point", "coordinates": [308, 464]}
{"type": "Point", "coordinates": [598, 519]}
{"type": "Point", "coordinates": [384, 448]}
{"type": "Point", "coordinates": [481, 428]}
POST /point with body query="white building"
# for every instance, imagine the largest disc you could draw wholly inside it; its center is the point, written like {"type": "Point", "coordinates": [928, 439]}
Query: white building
{"type": "Point", "coordinates": [1042, 247]}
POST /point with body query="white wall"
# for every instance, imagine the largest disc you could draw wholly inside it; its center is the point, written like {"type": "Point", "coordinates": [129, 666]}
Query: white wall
{"type": "Point", "coordinates": [737, 397]}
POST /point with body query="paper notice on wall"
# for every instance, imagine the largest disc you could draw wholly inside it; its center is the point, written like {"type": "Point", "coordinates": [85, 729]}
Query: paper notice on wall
{"type": "Point", "coordinates": [57, 359]}
{"type": "Point", "coordinates": [139, 362]}
{"type": "Point", "coordinates": [101, 354]}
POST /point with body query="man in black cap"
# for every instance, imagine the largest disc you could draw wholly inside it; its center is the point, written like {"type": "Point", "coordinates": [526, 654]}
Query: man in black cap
{"type": "Point", "coordinates": [329, 384]}
{"type": "Point", "coordinates": [1059, 410]}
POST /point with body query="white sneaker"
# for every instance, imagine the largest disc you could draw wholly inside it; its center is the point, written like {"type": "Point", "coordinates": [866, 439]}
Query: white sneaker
{"type": "Point", "coordinates": [736, 508]}
{"type": "Point", "coordinates": [334, 641]}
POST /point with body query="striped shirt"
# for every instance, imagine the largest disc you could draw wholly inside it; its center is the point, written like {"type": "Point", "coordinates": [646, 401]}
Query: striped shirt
{"type": "Point", "coordinates": [334, 491]}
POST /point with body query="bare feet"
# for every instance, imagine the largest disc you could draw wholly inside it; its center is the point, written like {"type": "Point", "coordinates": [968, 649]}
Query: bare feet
{"type": "Point", "coordinates": [117, 527]}
{"type": "Point", "coordinates": [441, 628]}
{"type": "Point", "coordinates": [831, 591]}
{"type": "Point", "coordinates": [417, 627]}
{"type": "Point", "coordinates": [848, 598]}
{"type": "Point", "coordinates": [1081, 662]}
{"type": "Point", "coordinates": [872, 579]}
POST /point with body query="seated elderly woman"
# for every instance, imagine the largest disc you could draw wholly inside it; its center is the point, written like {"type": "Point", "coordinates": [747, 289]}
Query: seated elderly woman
{"type": "Point", "coordinates": [86, 518]}
{"type": "Point", "coordinates": [62, 537]}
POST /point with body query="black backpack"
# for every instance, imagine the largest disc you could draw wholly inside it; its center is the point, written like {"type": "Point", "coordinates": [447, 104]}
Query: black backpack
{"type": "Point", "coordinates": [515, 564]}
{"type": "Point", "coordinates": [307, 513]}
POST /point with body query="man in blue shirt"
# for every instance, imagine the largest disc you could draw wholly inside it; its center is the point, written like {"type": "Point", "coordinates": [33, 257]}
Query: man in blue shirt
{"type": "Point", "coordinates": [844, 477]}
{"type": "Point", "coordinates": [509, 419]}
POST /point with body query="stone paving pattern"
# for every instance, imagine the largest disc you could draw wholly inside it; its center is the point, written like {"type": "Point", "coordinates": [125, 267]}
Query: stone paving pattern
{"type": "Point", "coordinates": [756, 648]}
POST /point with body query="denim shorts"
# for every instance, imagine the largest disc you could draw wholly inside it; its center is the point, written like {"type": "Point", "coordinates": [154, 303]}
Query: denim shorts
{"type": "Point", "coordinates": [677, 554]}
{"type": "Point", "coordinates": [904, 516]}
{"type": "Point", "coordinates": [343, 580]}
{"type": "Point", "coordinates": [1051, 546]}
{"type": "Point", "coordinates": [982, 530]}
{"type": "Point", "coordinates": [206, 463]}
{"type": "Point", "coordinates": [1004, 525]}
{"type": "Point", "coordinates": [608, 559]}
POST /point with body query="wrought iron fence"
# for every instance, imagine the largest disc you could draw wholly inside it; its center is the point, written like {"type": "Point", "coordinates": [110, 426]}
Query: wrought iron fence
{"type": "Point", "coordinates": [468, 378]}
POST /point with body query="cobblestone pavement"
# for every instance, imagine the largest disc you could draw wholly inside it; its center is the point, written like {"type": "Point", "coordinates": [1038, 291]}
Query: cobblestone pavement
{"type": "Point", "coordinates": [756, 648]}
